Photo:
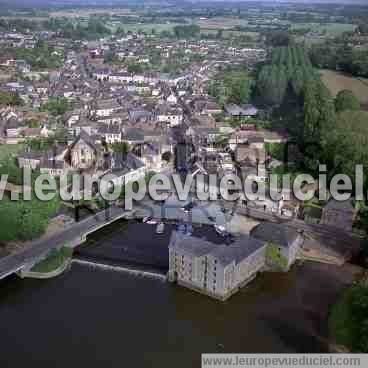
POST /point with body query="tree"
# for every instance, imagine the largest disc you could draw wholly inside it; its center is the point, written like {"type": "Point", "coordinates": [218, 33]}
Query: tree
{"type": "Point", "coordinates": [272, 84]}
{"type": "Point", "coordinates": [346, 100]}
{"type": "Point", "coordinates": [233, 86]}
{"type": "Point", "coordinates": [109, 57]}
{"type": "Point", "coordinates": [363, 28]}
{"type": "Point", "coordinates": [24, 220]}
{"type": "Point", "coordinates": [135, 68]}
{"type": "Point", "coordinates": [121, 147]}
{"type": "Point", "coordinates": [279, 38]}
{"type": "Point", "coordinates": [56, 106]}
{"type": "Point", "coordinates": [9, 98]}
{"type": "Point", "coordinates": [347, 143]}
{"type": "Point", "coordinates": [187, 31]}
{"type": "Point", "coordinates": [33, 123]}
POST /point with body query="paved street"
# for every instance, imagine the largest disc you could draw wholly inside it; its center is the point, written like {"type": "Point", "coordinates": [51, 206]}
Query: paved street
{"type": "Point", "coordinates": [40, 247]}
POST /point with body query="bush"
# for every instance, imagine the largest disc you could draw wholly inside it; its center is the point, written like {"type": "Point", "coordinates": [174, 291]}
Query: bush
{"type": "Point", "coordinates": [348, 322]}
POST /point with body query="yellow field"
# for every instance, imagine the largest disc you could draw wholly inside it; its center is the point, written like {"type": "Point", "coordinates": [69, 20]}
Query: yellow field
{"type": "Point", "coordinates": [337, 82]}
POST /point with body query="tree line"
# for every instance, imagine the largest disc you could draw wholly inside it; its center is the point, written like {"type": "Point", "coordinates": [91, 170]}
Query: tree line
{"type": "Point", "coordinates": [340, 57]}
{"type": "Point", "coordinates": [327, 130]}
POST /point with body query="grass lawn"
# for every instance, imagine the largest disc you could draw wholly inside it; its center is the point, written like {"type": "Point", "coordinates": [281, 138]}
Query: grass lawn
{"type": "Point", "coordinates": [340, 321]}
{"type": "Point", "coordinates": [220, 22]}
{"type": "Point", "coordinates": [229, 34]}
{"type": "Point", "coordinates": [7, 150]}
{"type": "Point", "coordinates": [337, 82]}
{"type": "Point", "coordinates": [55, 259]}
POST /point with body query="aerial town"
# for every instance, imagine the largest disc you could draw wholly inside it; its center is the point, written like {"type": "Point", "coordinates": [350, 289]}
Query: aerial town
{"type": "Point", "coordinates": [81, 93]}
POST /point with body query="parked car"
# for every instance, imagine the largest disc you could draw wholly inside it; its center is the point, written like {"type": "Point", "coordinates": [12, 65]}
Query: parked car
{"type": "Point", "coordinates": [211, 218]}
{"type": "Point", "coordinates": [188, 207]}
{"type": "Point", "coordinates": [220, 229]}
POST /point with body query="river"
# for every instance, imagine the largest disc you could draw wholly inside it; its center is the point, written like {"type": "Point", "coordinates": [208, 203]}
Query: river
{"type": "Point", "coordinates": [97, 317]}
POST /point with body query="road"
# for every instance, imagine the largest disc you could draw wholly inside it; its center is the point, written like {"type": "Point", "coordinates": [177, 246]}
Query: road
{"type": "Point", "coordinates": [40, 247]}
{"type": "Point", "coordinates": [200, 213]}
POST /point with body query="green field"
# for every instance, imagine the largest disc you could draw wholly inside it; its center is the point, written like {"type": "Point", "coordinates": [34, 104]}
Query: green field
{"type": "Point", "coordinates": [331, 29]}
{"type": "Point", "coordinates": [144, 27]}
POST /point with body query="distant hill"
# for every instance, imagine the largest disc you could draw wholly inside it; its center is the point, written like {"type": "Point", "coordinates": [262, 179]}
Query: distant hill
{"type": "Point", "coordinates": [95, 3]}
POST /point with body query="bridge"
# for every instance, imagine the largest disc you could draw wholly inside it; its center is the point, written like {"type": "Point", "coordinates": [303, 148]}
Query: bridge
{"type": "Point", "coordinates": [77, 233]}
{"type": "Point", "coordinates": [74, 235]}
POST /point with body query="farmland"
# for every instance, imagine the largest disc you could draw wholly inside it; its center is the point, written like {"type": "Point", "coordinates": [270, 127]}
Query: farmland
{"type": "Point", "coordinates": [337, 81]}
{"type": "Point", "coordinates": [220, 23]}
{"type": "Point", "coordinates": [327, 29]}
{"type": "Point", "coordinates": [77, 13]}
{"type": "Point", "coordinates": [145, 27]}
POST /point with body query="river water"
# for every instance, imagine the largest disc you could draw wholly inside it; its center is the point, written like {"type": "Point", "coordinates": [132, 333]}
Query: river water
{"type": "Point", "coordinates": [101, 317]}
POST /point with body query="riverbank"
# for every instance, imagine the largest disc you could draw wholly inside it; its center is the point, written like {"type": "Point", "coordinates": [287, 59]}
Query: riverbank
{"type": "Point", "coordinates": [135, 319]}
{"type": "Point", "coordinates": [54, 264]}
{"type": "Point", "coordinates": [347, 319]}
{"type": "Point", "coordinates": [47, 275]}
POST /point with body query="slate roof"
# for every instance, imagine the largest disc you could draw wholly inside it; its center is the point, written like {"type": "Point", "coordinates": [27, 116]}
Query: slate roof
{"type": "Point", "coordinates": [237, 251]}
{"type": "Point", "coordinates": [196, 247]}
{"type": "Point", "coordinates": [109, 129]}
{"type": "Point", "coordinates": [52, 164]}
{"type": "Point", "coordinates": [134, 134]}
{"type": "Point", "coordinates": [344, 206]}
{"type": "Point", "coordinates": [242, 247]}
{"type": "Point", "coordinates": [86, 138]}
{"type": "Point", "coordinates": [129, 161]}
{"type": "Point", "coordinates": [275, 233]}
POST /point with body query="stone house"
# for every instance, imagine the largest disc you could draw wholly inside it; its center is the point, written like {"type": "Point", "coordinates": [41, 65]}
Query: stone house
{"type": "Point", "coordinates": [340, 214]}
{"type": "Point", "coordinates": [105, 107]}
{"type": "Point", "coordinates": [83, 153]}
{"type": "Point", "coordinates": [169, 114]}
{"type": "Point", "coordinates": [286, 242]}
{"type": "Point", "coordinates": [251, 158]}
{"type": "Point", "coordinates": [126, 167]}
{"type": "Point", "coordinates": [29, 159]}
{"type": "Point", "coordinates": [110, 133]}
{"type": "Point", "coordinates": [215, 269]}
{"type": "Point", "coordinates": [13, 128]}
{"type": "Point", "coordinates": [53, 167]}
{"type": "Point", "coordinates": [150, 155]}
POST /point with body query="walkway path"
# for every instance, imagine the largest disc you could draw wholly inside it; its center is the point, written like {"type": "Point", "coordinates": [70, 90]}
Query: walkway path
{"type": "Point", "coordinates": [40, 247]}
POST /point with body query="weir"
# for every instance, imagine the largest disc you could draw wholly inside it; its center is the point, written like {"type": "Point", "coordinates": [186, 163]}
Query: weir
{"type": "Point", "coordinates": [107, 267]}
